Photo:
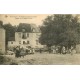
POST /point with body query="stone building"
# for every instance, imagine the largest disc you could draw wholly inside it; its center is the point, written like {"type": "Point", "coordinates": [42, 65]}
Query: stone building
{"type": "Point", "coordinates": [24, 38]}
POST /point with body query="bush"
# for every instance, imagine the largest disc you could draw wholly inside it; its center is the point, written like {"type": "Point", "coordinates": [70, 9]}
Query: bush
{"type": "Point", "coordinates": [4, 59]}
{"type": "Point", "coordinates": [7, 61]}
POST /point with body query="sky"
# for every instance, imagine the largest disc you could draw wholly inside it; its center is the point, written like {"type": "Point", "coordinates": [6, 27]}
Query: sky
{"type": "Point", "coordinates": [15, 19]}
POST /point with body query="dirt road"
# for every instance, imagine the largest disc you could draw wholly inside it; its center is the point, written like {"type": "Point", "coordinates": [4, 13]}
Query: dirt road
{"type": "Point", "coordinates": [47, 59]}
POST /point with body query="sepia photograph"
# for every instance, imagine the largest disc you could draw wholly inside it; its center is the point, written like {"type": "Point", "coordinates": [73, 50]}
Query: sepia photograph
{"type": "Point", "coordinates": [39, 39]}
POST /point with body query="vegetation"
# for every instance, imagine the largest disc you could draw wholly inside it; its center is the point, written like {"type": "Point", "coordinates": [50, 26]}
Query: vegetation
{"type": "Point", "coordinates": [7, 61]}
{"type": "Point", "coordinates": [62, 30]}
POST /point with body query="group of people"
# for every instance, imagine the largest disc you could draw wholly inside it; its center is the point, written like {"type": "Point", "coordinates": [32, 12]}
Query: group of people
{"type": "Point", "coordinates": [64, 50]}
{"type": "Point", "coordinates": [22, 51]}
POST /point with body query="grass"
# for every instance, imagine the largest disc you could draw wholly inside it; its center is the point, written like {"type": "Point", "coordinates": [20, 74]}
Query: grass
{"type": "Point", "coordinates": [50, 59]}
{"type": "Point", "coordinates": [43, 59]}
{"type": "Point", "coordinates": [4, 60]}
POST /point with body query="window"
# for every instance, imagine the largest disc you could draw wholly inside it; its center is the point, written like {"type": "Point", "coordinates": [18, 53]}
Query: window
{"type": "Point", "coordinates": [23, 30]}
{"type": "Point", "coordinates": [11, 42]}
{"type": "Point", "coordinates": [19, 42]}
{"type": "Point", "coordinates": [33, 30]}
{"type": "Point", "coordinates": [28, 42]}
{"type": "Point", "coordinates": [24, 36]}
{"type": "Point", "coordinates": [24, 42]}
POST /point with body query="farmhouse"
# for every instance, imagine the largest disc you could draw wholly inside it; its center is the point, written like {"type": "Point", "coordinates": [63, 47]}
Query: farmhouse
{"type": "Point", "coordinates": [26, 36]}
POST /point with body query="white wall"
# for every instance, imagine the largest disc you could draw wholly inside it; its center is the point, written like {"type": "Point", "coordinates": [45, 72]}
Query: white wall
{"type": "Point", "coordinates": [2, 40]}
{"type": "Point", "coordinates": [32, 39]}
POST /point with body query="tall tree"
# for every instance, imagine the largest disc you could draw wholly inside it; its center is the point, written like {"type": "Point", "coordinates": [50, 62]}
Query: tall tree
{"type": "Point", "coordinates": [63, 30]}
{"type": "Point", "coordinates": [10, 32]}
{"type": "Point", "coordinates": [1, 23]}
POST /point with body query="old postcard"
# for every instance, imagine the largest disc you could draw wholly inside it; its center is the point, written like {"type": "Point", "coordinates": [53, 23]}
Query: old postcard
{"type": "Point", "coordinates": [39, 39]}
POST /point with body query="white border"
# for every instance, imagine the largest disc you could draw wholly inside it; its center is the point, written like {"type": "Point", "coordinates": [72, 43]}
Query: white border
{"type": "Point", "coordinates": [37, 72]}
{"type": "Point", "coordinates": [40, 6]}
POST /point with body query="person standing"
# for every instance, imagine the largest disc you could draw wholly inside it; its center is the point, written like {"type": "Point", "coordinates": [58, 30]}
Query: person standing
{"type": "Point", "coordinates": [63, 50]}
{"type": "Point", "coordinates": [17, 53]}
{"type": "Point", "coordinates": [22, 52]}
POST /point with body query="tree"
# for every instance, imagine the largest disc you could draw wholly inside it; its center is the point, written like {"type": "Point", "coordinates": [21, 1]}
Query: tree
{"type": "Point", "coordinates": [1, 23]}
{"type": "Point", "coordinates": [10, 32]}
{"type": "Point", "coordinates": [62, 30]}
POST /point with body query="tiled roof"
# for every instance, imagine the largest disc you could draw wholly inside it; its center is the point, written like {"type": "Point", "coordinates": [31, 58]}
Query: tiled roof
{"type": "Point", "coordinates": [28, 28]}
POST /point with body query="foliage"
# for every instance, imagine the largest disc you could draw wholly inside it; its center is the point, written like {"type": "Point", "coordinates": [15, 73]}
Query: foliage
{"type": "Point", "coordinates": [63, 30]}
{"type": "Point", "coordinates": [10, 31]}
{"type": "Point", "coordinates": [7, 61]}
{"type": "Point", "coordinates": [1, 23]}
{"type": "Point", "coordinates": [4, 60]}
